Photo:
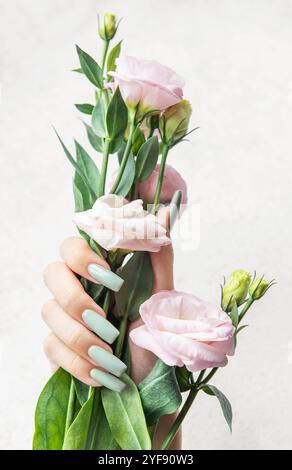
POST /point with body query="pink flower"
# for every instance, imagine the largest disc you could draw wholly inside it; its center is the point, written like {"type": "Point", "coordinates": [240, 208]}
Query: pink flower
{"type": "Point", "coordinates": [113, 222]}
{"type": "Point", "coordinates": [147, 82]}
{"type": "Point", "coordinates": [182, 329]}
{"type": "Point", "coordinates": [172, 181]}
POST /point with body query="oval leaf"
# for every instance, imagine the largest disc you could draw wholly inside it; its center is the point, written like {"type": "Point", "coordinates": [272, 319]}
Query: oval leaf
{"type": "Point", "coordinates": [117, 116]}
{"type": "Point", "coordinates": [98, 119]}
{"type": "Point", "coordinates": [127, 178]}
{"type": "Point", "coordinates": [112, 57]}
{"type": "Point", "coordinates": [90, 68]}
{"type": "Point", "coordinates": [159, 392]}
{"type": "Point", "coordinates": [224, 402]}
{"type": "Point", "coordinates": [147, 158]}
{"type": "Point", "coordinates": [88, 167]}
{"type": "Point", "coordinates": [51, 412]}
{"type": "Point", "coordinates": [85, 108]}
{"type": "Point", "coordinates": [125, 416]}
{"type": "Point", "coordinates": [138, 285]}
{"type": "Point", "coordinates": [95, 141]}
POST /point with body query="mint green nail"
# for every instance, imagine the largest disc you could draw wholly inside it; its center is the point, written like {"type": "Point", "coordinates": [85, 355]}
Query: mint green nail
{"type": "Point", "coordinates": [174, 207]}
{"type": "Point", "coordinates": [107, 360]}
{"type": "Point", "coordinates": [100, 325]}
{"type": "Point", "coordinates": [107, 380]}
{"type": "Point", "coordinates": [106, 277]}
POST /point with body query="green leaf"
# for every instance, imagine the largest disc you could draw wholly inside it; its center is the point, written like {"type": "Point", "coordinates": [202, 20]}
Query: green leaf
{"type": "Point", "coordinates": [78, 70]}
{"type": "Point", "coordinates": [85, 108]}
{"type": "Point", "coordinates": [90, 68]}
{"type": "Point", "coordinates": [51, 412]}
{"type": "Point", "coordinates": [98, 121]}
{"type": "Point", "coordinates": [159, 392]}
{"type": "Point", "coordinates": [224, 402]}
{"type": "Point", "coordinates": [138, 140]}
{"type": "Point", "coordinates": [138, 285]}
{"type": "Point", "coordinates": [77, 167]}
{"type": "Point", "coordinates": [183, 377]}
{"type": "Point", "coordinates": [88, 167]}
{"type": "Point", "coordinates": [82, 434]}
{"type": "Point", "coordinates": [127, 178]}
{"type": "Point", "coordinates": [117, 116]}
{"type": "Point", "coordinates": [234, 315]}
{"type": "Point", "coordinates": [125, 416]}
{"type": "Point", "coordinates": [82, 197]}
{"type": "Point", "coordinates": [147, 158]}
{"type": "Point", "coordinates": [112, 57]}
{"type": "Point", "coordinates": [95, 141]}
{"type": "Point", "coordinates": [82, 391]}
{"type": "Point", "coordinates": [242, 327]}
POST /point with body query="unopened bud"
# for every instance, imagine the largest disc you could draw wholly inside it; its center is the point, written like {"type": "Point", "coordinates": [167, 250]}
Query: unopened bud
{"type": "Point", "coordinates": [108, 26]}
{"type": "Point", "coordinates": [236, 289]}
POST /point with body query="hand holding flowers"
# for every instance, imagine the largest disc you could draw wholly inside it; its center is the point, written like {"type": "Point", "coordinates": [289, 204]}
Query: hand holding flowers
{"type": "Point", "coordinates": [139, 115]}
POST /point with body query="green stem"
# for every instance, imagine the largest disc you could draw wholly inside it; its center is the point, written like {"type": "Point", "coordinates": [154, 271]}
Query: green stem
{"type": "Point", "coordinates": [210, 375]}
{"type": "Point", "coordinates": [245, 309]}
{"type": "Point", "coordinates": [122, 336]}
{"type": "Point", "coordinates": [104, 167]}
{"type": "Point", "coordinates": [177, 424]}
{"type": "Point", "coordinates": [104, 53]}
{"type": "Point", "coordinates": [125, 157]}
{"type": "Point", "coordinates": [165, 150]}
{"type": "Point", "coordinates": [71, 406]}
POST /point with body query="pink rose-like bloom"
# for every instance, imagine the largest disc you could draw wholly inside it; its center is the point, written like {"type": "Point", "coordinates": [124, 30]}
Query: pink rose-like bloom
{"type": "Point", "coordinates": [113, 222]}
{"type": "Point", "coordinates": [182, 329]}
{"type": "Point", "coordinates": [147, 82]}
{"type": "Point", "coordinates": [172, 181]}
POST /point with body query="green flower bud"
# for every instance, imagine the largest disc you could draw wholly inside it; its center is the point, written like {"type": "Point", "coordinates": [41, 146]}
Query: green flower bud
{"type": "Point", "coordinates": [236, 289]}
{"type": "Point", "coordinates": [258, 288]}
{"type": "Point", "coordinates": [108, 26]}
{"type": "Point", "coordinates": [174, 122]}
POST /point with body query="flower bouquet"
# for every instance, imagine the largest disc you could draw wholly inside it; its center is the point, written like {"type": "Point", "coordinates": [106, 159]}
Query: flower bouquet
{"type": "Point", "coordinates": [138, 117]}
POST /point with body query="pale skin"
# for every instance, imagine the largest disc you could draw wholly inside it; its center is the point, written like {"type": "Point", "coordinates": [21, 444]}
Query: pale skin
{"type": "Point", "coordinates": [68, 343]}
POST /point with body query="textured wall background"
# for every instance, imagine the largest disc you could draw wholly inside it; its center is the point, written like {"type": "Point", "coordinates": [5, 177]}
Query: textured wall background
{"type": "Point", "coordinates": [236, 57]}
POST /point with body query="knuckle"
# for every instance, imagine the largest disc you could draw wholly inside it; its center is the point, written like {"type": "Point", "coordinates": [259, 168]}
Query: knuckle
{"type": "Point", "coordinates": [51, 269]}
{"type": "Point", "coordinates": [75, 337]}
{"type": "Point", "coordinates": [76, 366]}
{"type": "Point", "coordinates": [72, 301]}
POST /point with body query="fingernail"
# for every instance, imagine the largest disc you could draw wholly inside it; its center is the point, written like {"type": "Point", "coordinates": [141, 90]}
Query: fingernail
{"type": "Point", "coordinates": [100, 325]}
{"type": "Point", "coordinates": [174, 208]}
{"type": "Point", "coordinates": [105, 277]}
{"type": "Point", "coordinates": [107, 360]}
{"type": "Point", "coordinates": [107, 380]}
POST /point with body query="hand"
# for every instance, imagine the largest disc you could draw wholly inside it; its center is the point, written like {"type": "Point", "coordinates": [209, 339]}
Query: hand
{"type": "Point", "coordinates": [71, 313]}
{"type": "Point", "coordinates": [68, 344]}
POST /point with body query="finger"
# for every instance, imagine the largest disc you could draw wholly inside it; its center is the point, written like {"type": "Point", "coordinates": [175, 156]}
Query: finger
{"type": "Point", "coordinates": [162, 265]}
{"type": "Point", "coordinates": [72, 333]}
{"type": "Point", "coordinates": [162, 261]}
{"type": "Point", "coordinates": [58, 353]}
{"type": "Point", "coordinates": [78, 255]}
{"type": "Point", "coordinates": [68, 291]}
{"type": "Point", "coordinates": [62, 356]}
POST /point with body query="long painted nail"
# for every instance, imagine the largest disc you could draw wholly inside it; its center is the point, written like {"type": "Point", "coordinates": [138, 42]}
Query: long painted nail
{"type": "Point", "coordinates": [100, 325]}
{"type": "Point", "coordinates": [107, 360]}
{"type": "Point", "coordinates": [107, 380]}
{"type": "Point", "coordinates": [174, 208]}
{"type": "Point", "coordinates": [105, 277]}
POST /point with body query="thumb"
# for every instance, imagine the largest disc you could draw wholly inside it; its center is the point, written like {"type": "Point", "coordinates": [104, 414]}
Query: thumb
{"type": "Point", "coordinates": [162, 261]}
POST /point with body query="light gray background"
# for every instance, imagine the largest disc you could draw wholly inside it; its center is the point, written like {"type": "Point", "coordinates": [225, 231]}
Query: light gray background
{"type": "Point", "coordinates": [236, 57]}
